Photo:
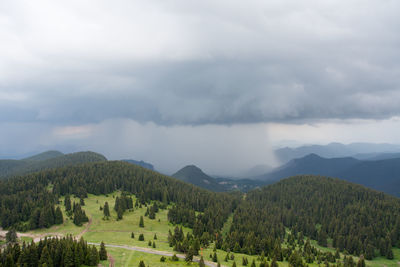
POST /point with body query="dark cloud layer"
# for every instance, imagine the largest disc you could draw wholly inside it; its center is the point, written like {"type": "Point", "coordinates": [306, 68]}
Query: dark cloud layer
{"type": "Point", "coordinates": [198, 63]}
{"type": "Point", "coordinates": [173, 82]}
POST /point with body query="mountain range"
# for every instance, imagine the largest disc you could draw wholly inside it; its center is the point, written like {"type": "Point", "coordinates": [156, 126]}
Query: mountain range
{"type": "Point", "coordinates": [382, 174]}
{"type": "Point", "coordinates": [336, 150]}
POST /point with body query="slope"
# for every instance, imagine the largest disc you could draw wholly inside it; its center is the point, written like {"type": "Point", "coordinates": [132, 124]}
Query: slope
{"type": "Point", "coordinates": [194, 175]}
{"type": "Point", "coordinates": [357, 219]}
{"type": "Point", "coordinates": [140, 163]}
{"type": "Point", "coordinates": [333, 150]}
{"type": "Point", "coordinates": [46, 160]}
{"type": "Point", "coordinates": [311, 164]}
{"type": "Point", "coordinates": [382, 175]}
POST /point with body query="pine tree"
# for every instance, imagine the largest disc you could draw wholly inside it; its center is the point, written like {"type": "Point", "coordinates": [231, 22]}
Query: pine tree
{"type": "Point", "coordinates": [58, 217]}
{"type": "Point", "coordinates": [120, 213]}
{"type": "Point", "coordinates": [45, 257]}
{"type": "Point", "coordinates": [132, 235]}
{"type": "Point", "coordinates": [190, 253]}
{"type": "Point", "coordinates": [322, 238]}
{"type": "Point", "coordinates": [141, 264]}
{"type": "Point", "coordinates": [215, 257]}
{"type": "Point", "coordinates": [361, 262]}
{"type": "Point", "coordinates": [274, 263]}
{"type": "Point", "coordinates": [389, 252]}
{"type": "Point", "coordinates": [141, 222]}
{"type": "Point", "coordinates": [106, 210]}
{"type": "Point", "coordinates": [244, 261]}
{"type": "Point", "coordinates": [234, 264]}
{"type": "Point", "coordinates": [93, 257]}
{"type": "Point", "coordinates": [141, 237]}
{"type": "Point", "coordinates": [11, 236]}
{"type": "Point", "coordinates": [69, 257]}
{"type": "Point", "coordinates": [67, 203]}
{"type": "Point", "coordinates": [103, 252]}
{"type": "Point", "coordinates": [174, 258]}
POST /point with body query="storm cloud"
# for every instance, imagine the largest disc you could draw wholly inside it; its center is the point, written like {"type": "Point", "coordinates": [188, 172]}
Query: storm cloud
{"type": "Point", "coordinates": [196, 63]}
{"type": "Point", "coordinates": [174, 62]}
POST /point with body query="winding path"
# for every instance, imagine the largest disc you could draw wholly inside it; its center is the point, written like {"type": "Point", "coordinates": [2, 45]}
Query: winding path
{"type": "Point", "coordinates": [156, 252]}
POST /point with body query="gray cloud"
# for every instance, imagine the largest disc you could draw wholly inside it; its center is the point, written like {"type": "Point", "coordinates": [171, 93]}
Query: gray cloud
{"type": "Point", "coordinates": [173, 81]}
{"type": "Point", "coordinates": [194, 63]}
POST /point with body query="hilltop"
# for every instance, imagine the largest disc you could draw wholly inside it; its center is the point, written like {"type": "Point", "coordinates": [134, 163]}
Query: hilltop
{"type": "Point", "coordinates": [46, 160]}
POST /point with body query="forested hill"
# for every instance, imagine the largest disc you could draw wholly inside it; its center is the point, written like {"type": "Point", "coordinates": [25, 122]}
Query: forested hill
{"type": "Point", "coordinates": [382, 175]}
{"type": "Point", "coordinates": [46, 160]}
{"type": "Point", "coordinates": [357, 219]}
{"type": "Point", "coordinates": [140, 163]}
{"type": "Point", "coordinates": [44, 156]}
{"type": "Point", "coordinates": [23, 200]}
{"type": "Point", "coordinates": [194, 175]}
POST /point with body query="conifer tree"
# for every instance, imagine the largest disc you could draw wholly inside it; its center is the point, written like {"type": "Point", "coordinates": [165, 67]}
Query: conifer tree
{"type": "Point", "coordinates": [141, 237]}
{"type": "Point", "coordinates": [103, 252]}
{"type": "Point", "coordinates": [45, 257]}
{"type": "Point", "coordinates": [274, 263]}
{"type": "Point", "coordinates": [11, 236]}
{"type": "Point", "coordinates": [106, 210]}
{"type": "Point", "coordinates": [389, 252]}
{"type": "Point", "coordinates": [361, 262]}
{"type": "Point", "coordinates": [67, 203]}
{"type": "Point", "coordinates": [215, 257]}
{"type": "Point", "coordinates": [141, 222]}
{"type": "Point", "coordinates": [120, 213]}
{"type": "Point", "coordinates": [58, 217]}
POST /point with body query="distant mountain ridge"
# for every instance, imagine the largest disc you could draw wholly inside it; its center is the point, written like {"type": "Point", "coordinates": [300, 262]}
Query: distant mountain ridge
{"type": "Point", "coordinates": [140, 163]}
{"type": "Point", "coordinates": [382, 175]}
{"type": "Point", "coordinates": [194, 175]}
{"type": "Point", "coordinates": [335, 150]}
{"type": "Point", "coordinates": [46, 160]}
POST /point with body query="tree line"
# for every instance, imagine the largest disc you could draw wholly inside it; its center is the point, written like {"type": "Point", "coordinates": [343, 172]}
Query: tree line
{"type": "Point", "coordinates": [51, 252]}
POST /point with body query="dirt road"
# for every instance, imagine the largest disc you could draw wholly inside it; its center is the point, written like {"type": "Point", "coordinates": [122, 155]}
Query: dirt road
{"type": "Point", "coordinates": [156, 252]}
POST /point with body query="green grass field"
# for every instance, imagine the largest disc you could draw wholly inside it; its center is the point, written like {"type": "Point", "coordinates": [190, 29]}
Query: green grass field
{"type": "Point", "coordinates": [119, 233]}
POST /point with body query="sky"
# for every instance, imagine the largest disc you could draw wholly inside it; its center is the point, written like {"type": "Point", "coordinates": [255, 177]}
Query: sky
{"type": "Point", "coordinates": [219, 84]}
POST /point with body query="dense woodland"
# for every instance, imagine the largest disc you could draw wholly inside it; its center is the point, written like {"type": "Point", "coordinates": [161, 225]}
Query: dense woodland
{"type": "Point", "coordinates": [357, 220]}
{"type": "Point", "coordinates": [21, 197]}
{"type": "Point", "coordinates": [44, 161]}
{"type": "Point", "coordinates": [53, 252]}
{"type": "Point", "coordinates": [349, 217]}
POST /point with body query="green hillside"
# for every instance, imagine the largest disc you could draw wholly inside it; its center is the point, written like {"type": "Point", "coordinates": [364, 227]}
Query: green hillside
{"type": "Point", "coordinates": [46, 160]}
{"type": "Point", "coordinates": [194, 175]}
{"type": "Point", "coordinates": [45, 156]}
{"type": "Point", "coordinates": [338, 214]}
{"type": "Point", "coordinates": [300, 221]}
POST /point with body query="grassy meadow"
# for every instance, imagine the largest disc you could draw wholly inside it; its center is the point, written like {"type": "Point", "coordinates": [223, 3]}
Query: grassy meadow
{"type": "Point", "coordinates": [116, 232]}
